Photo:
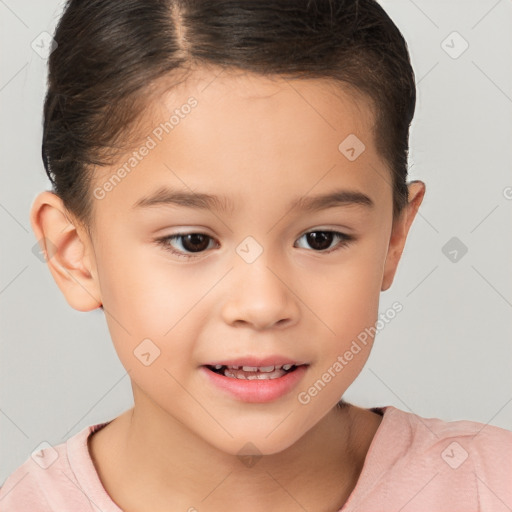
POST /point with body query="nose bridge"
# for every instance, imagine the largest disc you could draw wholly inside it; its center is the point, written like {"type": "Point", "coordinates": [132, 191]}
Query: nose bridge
{"type": "Point", "coordinates": [258, 294]}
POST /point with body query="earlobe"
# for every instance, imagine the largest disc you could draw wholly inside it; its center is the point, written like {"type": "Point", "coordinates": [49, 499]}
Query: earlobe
{"type": "Point", "coordinates": [400, 231]}
{"type": "Point", "coordinates": [67, 252]}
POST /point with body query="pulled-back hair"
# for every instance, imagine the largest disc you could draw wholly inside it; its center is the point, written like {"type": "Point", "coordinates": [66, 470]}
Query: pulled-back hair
{"type": "Point", "coordinates": [110, 54]}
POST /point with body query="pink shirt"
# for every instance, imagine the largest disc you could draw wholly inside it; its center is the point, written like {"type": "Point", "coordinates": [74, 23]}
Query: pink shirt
{"type": "Point", "coordinates": [413, 464]}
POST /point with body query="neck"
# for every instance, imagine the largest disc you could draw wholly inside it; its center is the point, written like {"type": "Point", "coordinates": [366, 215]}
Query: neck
{"type": "Point", "coordinates": [160, 465]}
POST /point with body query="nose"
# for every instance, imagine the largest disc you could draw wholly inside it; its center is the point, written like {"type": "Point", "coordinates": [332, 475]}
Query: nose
{"type": "Point", "coordinates": [260, 296]}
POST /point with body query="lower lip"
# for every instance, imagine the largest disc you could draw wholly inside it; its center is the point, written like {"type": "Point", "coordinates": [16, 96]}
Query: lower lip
{"type": "Point", "coordinates": [256, 390]}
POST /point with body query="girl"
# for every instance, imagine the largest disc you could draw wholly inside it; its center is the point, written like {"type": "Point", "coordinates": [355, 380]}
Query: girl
{"type": "Point", "coordinates": [273, 137]}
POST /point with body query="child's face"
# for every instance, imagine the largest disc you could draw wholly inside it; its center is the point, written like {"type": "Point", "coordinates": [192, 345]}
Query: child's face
{"type": "Point", "coordinates": [261, 145]}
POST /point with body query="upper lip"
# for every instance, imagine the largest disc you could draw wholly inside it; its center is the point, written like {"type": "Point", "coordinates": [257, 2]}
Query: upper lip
{"type": "Point", "coordinates": [276, 360]}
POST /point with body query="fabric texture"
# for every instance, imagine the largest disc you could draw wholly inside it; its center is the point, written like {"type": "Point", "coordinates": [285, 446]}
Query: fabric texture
{"type": "Point", "coordinates": [413, 464]}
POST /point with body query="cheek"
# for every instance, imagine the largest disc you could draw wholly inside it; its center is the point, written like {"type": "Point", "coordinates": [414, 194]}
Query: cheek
{"type": "Point", "coordinates": [347, 295]}
{"type": "Point", "coordinates": [151, 308]}
{"type": "Point", "coordinates": [146, 291]}
{"type": "Point", "coordinates": [348, 303]}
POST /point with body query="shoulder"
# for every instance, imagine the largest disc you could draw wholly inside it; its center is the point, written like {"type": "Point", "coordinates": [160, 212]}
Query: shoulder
{"type": "Point", "coordinates": [480, 441]}
{"type": "Point", "coordinates": [46, 480]}
{"type": "Point", "coordinates": [463, 457]}
{"type": "Point", "coordinates": [28, 487]}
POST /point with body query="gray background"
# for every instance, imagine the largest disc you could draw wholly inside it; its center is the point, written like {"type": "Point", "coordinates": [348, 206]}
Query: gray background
{"type": "Point", "coordinates": [446, 355]}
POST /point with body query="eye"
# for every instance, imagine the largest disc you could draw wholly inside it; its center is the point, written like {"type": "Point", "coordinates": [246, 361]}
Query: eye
{"type": "Point", "coordinates": [320, 240]}
{"type": "Point", "coordinates": [192, 242]}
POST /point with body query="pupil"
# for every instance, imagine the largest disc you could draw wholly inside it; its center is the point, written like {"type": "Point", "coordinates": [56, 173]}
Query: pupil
{"type": "Point", "coordinates": [320, 236]}
{"type": "Point", "coordinates": [195, 238]}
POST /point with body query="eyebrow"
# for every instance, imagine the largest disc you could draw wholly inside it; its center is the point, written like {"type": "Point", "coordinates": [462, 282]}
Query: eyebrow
{"type": "Point", "coordinates": [202, 201]}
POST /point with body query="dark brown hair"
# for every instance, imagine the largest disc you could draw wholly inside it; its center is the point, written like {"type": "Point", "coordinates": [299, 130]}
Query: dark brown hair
{"type": "Point", "coordinates": [111, 52]}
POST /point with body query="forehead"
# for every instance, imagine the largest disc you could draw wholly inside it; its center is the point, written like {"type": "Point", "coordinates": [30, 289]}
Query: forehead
{"type": "Point", "coordinates": [249, 133]}
{"type": "Point", "coordinates": [327, 99]}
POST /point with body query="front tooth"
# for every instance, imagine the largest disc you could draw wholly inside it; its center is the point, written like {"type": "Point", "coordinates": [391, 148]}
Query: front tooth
{"type": "Point", "coordinates": [254, 375]}
{"type": "Point", "coordinates": [267, 368]}
{"type": "Point", "coordinates": [262, 376]}
{"type": "Point", "coordinates": [227, 373]}
{"type": "Point", "coordinates": [233, 367]}
{"type": "Point", "coordinates": [273, 375]}
{"type": "Point", "coordinates": [250, 368]}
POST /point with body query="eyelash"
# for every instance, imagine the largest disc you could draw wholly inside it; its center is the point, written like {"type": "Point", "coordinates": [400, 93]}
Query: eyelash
{"type": "Point", "coordinates": [345, 240]}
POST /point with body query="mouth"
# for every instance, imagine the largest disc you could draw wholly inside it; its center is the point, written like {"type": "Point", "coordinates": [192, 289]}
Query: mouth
{"type": "Point", "coordinates": [254, 372]}
{"type": "Point", "coordinates": [255, 383]}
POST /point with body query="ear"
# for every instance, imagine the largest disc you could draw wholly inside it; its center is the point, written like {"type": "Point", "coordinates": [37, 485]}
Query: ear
{"type": "Point", "coordinates": [68, 251]}
{"type": "Point", "coordinates": [399, 232]}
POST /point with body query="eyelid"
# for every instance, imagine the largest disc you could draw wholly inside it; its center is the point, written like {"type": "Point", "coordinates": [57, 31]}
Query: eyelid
{"type": "Point", "coordinates": [164, 242]}
{"type": "Point", "coordinates": [344, 239]}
